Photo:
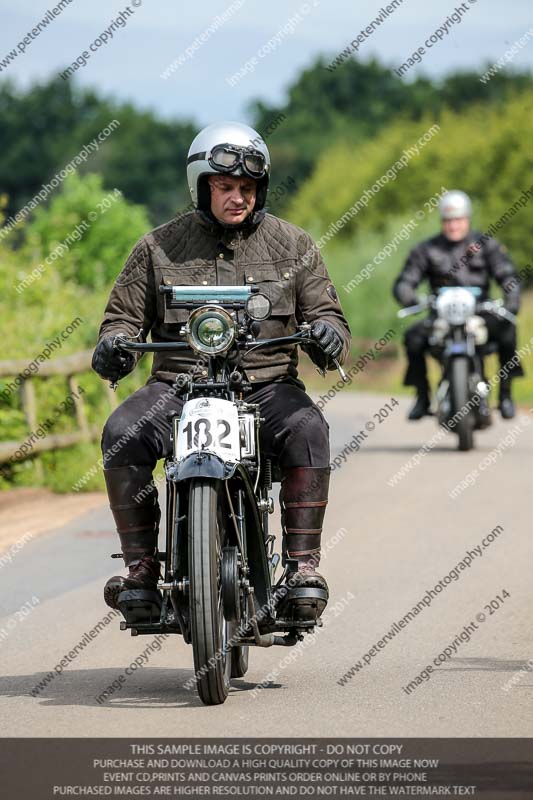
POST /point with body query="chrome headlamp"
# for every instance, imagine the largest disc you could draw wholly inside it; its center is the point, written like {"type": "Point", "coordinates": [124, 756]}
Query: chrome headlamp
{"type": "Point", "coordinates": [456, 304]}
{"type": "Point", "coordinates": [211, 330]}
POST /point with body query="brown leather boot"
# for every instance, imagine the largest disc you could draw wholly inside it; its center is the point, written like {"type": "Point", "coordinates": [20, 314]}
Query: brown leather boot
{"type": "Point", "coordinates": [137, 514]}
{"type": "Point", "coordinates": [303, 500]}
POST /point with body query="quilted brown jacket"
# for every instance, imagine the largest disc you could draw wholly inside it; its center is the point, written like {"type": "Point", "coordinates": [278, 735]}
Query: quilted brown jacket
{"type": "Point", "coordinates": [278, 257]}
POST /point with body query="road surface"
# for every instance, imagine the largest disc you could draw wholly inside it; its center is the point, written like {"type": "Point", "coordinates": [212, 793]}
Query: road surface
{"type": "Point", "coordinates": [387, 545]}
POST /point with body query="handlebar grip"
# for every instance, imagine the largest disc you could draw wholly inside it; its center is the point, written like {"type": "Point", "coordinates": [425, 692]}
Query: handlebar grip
{"type": "Point", "coordinates": [147, 347]}
{"type": "Point", "coordinates": [408, 310]}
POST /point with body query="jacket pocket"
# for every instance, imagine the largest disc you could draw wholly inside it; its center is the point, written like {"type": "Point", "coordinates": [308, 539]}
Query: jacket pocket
{"type": "Point", "coordinates": [277, 283]}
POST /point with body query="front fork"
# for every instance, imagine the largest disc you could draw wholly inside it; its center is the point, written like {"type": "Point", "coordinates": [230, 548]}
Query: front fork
{"type": "Point", "coordinates": [441, 404]}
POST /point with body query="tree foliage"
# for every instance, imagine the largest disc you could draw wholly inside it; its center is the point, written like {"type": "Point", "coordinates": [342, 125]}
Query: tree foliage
{"type": "Point", "coordinates": [89, 229]}
{"type": "Point", "coordinates": [357, 101]}
{"type": "Point", "coordinates": [484, 150]}
{"type": "Point", "coordinates": [45, 127]}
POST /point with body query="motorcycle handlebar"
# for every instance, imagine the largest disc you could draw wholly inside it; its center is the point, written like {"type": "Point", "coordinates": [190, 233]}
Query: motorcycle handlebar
{"type": "Point", "coordinates": [121, 343]}
{"type": "Point", "coordinates": [303, 336]}
{"type": "Point", "coordinates": [409, 310]}
{"type": "Point", "coordinates": [495, 307]}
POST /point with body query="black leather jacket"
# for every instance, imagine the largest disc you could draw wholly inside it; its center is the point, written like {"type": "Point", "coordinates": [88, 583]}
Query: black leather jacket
{"type": "Point", "coordinates": [474, 261]}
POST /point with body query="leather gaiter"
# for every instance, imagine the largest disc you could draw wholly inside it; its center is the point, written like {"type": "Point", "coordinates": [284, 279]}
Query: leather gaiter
{"type": "Point", "coordinates": [133, 501]}
{"type": "Point", "coordinates": [303, 500]}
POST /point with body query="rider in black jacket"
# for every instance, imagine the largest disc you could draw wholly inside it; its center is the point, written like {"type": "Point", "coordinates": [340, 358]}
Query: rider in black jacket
{"type": "Point", "coordinates": [458, 256]}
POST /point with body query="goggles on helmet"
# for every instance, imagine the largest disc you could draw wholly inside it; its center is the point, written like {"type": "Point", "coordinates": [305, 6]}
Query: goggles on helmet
{"type": "Point", "coordinates": [226, 157]}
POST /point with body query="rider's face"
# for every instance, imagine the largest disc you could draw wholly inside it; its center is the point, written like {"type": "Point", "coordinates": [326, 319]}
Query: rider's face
{"type": "Point", "coordinates": [456, 229]}
{"type": "Point", "coordinates": [232, 197]}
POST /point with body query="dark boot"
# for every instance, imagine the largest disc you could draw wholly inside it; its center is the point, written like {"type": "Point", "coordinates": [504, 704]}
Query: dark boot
{"type": "Point", "coordinates": [136, 512]}
{"type": "Point", "coordinates": [506, 405]}
{"type": "Point", "coordinates": [421, 406]}
{"type": "Point", "coordinates": [303, 498]}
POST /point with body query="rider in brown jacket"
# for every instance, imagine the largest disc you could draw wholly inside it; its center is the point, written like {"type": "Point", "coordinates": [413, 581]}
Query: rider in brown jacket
{"type": "Point", "coordinates": [229, 239]}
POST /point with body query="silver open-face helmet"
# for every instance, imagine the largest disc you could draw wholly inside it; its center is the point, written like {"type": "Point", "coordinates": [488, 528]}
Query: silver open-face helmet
{"type": "Point", "coordinates": [227, 148]}
{"type": "Point", "coordinates": [455, 204]}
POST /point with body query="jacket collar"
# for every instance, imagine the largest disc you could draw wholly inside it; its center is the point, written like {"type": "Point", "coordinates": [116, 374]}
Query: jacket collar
{"type": "Point", "coordinates": [229, 235]}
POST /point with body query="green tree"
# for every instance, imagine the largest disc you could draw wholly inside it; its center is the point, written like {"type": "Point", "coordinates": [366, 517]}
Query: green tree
{"type": "Point", "coordinates": [355, 102]}
{"type": "Point", "coordinates": [483, 150]}
{"type": "Point", "coordinates": [37, 305]}
{"type": "Point", "coordinates": [44, 128]}
{"type": "Point", "coordinates": [92, 229]}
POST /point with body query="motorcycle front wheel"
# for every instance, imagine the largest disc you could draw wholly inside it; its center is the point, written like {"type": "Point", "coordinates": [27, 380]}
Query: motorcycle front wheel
{"type": "Point", "coordinates": [460, 397]}
{"type": "Point", "coordinates": [210, 632]}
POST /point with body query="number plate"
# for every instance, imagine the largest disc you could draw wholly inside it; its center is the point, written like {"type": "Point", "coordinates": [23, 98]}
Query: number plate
{"type": "Point", "coordinates": [208, 424]}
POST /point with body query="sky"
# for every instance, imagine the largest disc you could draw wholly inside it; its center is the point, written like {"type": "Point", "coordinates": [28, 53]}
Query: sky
{"type": "Point", "coordinates": [267, 43]}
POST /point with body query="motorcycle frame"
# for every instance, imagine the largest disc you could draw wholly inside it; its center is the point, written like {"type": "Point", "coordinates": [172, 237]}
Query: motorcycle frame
{"type": "Point", "coordinates": [249, 532]}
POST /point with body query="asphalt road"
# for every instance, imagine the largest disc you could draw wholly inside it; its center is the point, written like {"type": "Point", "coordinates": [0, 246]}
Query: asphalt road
{"type": "Point", "coordinates": [387, 546]}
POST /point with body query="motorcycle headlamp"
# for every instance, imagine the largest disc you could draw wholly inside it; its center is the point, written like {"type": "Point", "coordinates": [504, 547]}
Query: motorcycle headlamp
{"type": "Point", "coordinates": [456, 304]}
{"type": "Point", "coordinates": [211, 330]}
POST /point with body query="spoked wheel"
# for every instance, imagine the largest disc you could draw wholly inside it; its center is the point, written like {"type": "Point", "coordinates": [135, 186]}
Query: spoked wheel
{"type": "Point", "coordinates": [460, 397]}
{"type": "Point", "coordinates": [210, 632]}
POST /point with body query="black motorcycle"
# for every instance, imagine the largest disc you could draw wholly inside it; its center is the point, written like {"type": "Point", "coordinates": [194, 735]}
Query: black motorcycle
{"type": "Point", "coordinates": [459, 341]}
{"type": "Point", "coordinates": [219, 590]}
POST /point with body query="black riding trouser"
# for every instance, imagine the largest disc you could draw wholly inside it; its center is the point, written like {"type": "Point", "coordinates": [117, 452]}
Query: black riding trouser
{"type": "Point", "coordinates": [294, 432]}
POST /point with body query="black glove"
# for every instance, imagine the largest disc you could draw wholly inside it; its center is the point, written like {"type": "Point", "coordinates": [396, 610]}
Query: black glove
{"type": "Point", "coordinates": [110, 363]}
{"type": "Point", "coordinates": [512, 305]}
{"type": "Point", "coordinates": [328, 338]}
{"type": "Point", "coordinates": [416, 300]}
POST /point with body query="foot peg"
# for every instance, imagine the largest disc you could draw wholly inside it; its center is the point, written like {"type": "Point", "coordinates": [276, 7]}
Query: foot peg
{"type": "Point", "coordinates": [483, 421]}
{"type": "Point", "coordinates": [300, 604]}
{"type": "Point", "coordinates": [140, 605]}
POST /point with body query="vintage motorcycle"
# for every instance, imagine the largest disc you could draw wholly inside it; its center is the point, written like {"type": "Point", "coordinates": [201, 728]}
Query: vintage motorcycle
{"type": "Point", "coordinates": [459, 341]}
{"type": "Point", "coordinates": [219, 590]}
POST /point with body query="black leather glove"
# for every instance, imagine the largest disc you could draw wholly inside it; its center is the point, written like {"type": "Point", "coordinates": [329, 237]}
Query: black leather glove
{"type": "Point", "coordinates": [110, 363]}
{"type": "Point", "coordinates": [512, 305]}
{"type": "Point", "coordinates": [328, 338]}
